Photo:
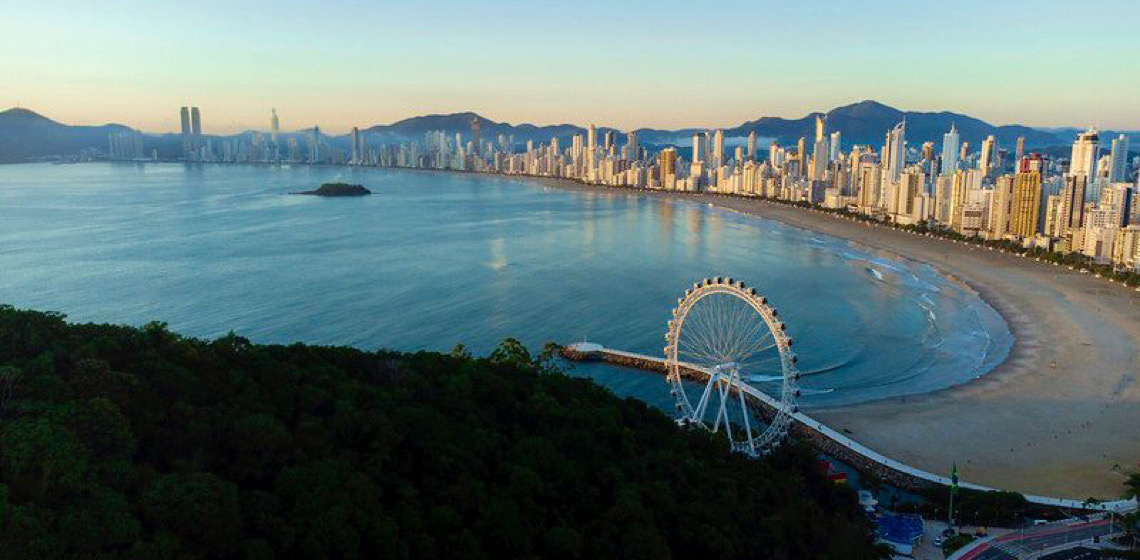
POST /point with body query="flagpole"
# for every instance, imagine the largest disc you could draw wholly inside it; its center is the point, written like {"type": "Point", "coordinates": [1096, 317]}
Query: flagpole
{"type": "Point", "coordinates": [950, 515]}
{"type": "Point", "coordinates": [953, 490]}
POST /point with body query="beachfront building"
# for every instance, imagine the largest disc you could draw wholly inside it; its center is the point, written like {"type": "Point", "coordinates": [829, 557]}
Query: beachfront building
{"type": "Point", "coordinates": [1042, 203]}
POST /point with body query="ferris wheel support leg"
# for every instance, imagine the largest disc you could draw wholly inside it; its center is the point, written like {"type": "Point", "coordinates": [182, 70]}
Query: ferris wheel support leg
{"type": "Point", "coordinates": [699, 413]}
{"type": "Point", "coordinates": [747, 423]}
{"type": "Point", "coordinates": [724, 389]}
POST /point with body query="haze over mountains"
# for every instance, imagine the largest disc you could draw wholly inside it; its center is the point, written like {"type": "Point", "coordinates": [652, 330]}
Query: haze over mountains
{"type": "Point", "coordinates": [26, 135]}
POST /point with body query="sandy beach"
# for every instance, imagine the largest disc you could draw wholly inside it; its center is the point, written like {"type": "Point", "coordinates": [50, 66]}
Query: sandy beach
{"type": "Point", "coordinates": [1060, 417]}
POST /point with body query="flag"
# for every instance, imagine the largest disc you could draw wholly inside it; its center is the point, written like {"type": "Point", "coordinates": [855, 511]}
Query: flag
{"type": "Point", "coordinates": [954, 480]}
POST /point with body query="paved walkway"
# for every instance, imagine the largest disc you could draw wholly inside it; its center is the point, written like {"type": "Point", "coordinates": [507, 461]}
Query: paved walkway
{"type": "Point", "coordinates": [659, 364]}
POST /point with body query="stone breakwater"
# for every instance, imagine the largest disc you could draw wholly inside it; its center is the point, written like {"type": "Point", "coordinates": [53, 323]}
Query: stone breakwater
{"type": "Point", "coordinates": [825, 439]}
{"type": "Point", "coordinates": [763, 410]}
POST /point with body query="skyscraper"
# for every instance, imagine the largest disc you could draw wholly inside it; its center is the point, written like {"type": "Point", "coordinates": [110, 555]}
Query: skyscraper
{"type": "Point", "coordinates": [1020, 151]}
{"type": "Point", "coordinates": [1024, 207]}
{"type": "Point", "coordinates": [276, 125]}
{"type": "Point", "coordinates": [186, 138]}
{"type": "Point", "coordinates": [820, 128]}
{"type": "Point", "coordinates": [196, 124]}
{"type": "Point", "coordinates": [751, 155]}
{"type": "Point", "coordinates": [894, 153]}
{"type": "Point", "coordinates": [718, 149]}
{"type": "Point", "coordinates": [667, 167]}
{"type": "Point", "coordinates": [632, 149]}
{"type": "Point", "coordinates": [950, 152]}
{"type": "Point", "coordinates": [1085, 148]}
{"type": "Point", "coordinates": [591, 149]}
{"type": "Point", "coordinates": [355, 146]}
{"type": "Point", "coordinates": [988, 155]}
{"type": "Point", "coordinates": [1119, 165]}
{"type": "Point", "coordinates": [314, 145]}
{"type": "Point", "coordinates": [801, 156]}
{"type": "Point", "coordinates": [1071, 210]}
{"type": "Point", "coordinates": [833, 146]}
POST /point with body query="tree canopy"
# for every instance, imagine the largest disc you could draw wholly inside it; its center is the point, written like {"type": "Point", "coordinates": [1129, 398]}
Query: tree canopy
{"type": "Point", "coordinates": [121, 442]}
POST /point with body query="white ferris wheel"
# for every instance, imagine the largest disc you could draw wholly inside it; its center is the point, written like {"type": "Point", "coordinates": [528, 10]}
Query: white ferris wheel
{"type": "Point", "coordinates": [725, 334]}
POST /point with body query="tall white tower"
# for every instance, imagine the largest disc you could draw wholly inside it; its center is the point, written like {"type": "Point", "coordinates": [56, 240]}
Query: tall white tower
{"type": "Point", "coordinates": [894, 152]}
{"type": "Point", "coordinates": [276, 125]}
{"type": "Point", "coordinates": [950, 152]}
{"type": "Point", "coordinates": [1083, 160]}
{"type": "Point", "coordinates": [591, 149]}
{"type": "Point", "coordinates": [718, 148]}
{"type": "Point", "coordinates": [1119, 166]}
{"type": "Point", "coordinates": [987, 155]}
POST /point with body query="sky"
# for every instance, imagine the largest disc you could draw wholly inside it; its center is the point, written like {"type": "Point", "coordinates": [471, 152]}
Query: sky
{"type": "Point", "coordinates": [627, 64]}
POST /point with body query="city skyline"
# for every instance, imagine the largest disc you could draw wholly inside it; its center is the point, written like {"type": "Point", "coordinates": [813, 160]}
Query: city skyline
{"type": "Point", "coordinates": [351, 64]}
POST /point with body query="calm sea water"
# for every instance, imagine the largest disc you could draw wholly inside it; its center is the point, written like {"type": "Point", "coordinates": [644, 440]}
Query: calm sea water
{"type": "Point", "coordinates": [434, 259]}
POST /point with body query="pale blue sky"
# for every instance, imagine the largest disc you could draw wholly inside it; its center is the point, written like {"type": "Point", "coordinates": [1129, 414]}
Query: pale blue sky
{"type": "Point", "coordinates": [626, 64]}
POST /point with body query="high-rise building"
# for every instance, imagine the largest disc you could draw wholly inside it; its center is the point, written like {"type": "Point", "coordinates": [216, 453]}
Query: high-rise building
{"type": "Point", "coordinates": [820, 128]}
{"type": "Point", "coordinates": [833, 146]}
{"type": "Point", "coordinates": [1071, 208]}
{"type": "Point", "coordinates": [275, 125]}
{"type": "Point", "coordinates": [632, 149]}
{"type": "Point", "coordinates": [314, 145]}
{"type": "Point", "coordinates": [124, 145]}
{"type": "Point", "coordinates": [964, 153]}
{"type": "Point", "coordinates": [1020, 150]}
{"type": "Point", "coordinates": [196, 124]}
{"type": "Point", "coordinates": [667, 167]}
{"type": "Point", "coordinates": [1117, 198]}
{"type": "Point", "coordinates": [591, 149]}
{"type": "Point", "coordinates": [950, 152]}
{"type": "Point", "coordinates": [1000, 201]}
{"type": "Point", "coordinates": [186, 138]}
{"type": "Point", "coordinates": [819, 159]}
{"type": "Point", "coordinates": [1024, 208]}
{"type": "Point", "coordinates": [1119, 166]}
{"type": "Point", "coordinates": [718, 149]}
{"type": "Point", "coordinates": [356, 152]}
{"type": "Point", "coordinates": [987, 155]}
{"type": "Point", "coordinates": [801, 153]}
{"type": "Point", "coordinates": [751, 155]}
{"type": "Point", "coordinates": [894, 153]}
{"type": "Point", "coordinates": [1084, 155]}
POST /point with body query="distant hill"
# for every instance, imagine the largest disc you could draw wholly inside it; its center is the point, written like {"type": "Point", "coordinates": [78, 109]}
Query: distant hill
{"type": "Point", "coordinates": [414, 128]}
{"type": "Point", "coordinates": [26, 134]}
{"type": "Point", "coordinates": [867, 122]}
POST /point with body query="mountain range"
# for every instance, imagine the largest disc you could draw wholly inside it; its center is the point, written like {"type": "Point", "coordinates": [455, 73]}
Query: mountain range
{"type": "Point", "coordinates": [25, 134]}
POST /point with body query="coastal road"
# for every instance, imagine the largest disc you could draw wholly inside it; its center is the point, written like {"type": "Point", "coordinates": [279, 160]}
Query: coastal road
{"type": "Point", "coordinates": [1019, 544]}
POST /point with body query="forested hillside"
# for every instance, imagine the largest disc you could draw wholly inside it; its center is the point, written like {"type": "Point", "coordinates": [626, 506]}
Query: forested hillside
{"type": "Point", "coordinates": [117, 442]}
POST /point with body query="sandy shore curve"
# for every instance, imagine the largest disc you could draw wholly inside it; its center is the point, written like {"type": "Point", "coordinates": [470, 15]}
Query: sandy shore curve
{"type": "Point", "coordinates": [1059, 417]}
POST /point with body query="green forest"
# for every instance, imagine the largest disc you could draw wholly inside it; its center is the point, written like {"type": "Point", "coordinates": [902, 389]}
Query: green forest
{"type": "Point", "coordinates": [124, 442]}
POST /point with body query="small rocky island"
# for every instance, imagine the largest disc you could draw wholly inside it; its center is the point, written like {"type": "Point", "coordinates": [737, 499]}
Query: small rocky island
{"type": "Point", "coordinates": [338, 189]}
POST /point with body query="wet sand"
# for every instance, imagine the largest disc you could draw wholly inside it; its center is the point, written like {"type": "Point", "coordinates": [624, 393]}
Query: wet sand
{"type": "Point", "coordinates": [1060, 417]}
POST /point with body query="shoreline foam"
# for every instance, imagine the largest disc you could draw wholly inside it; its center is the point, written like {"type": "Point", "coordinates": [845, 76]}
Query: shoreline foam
{"type": "Point", "coordinates": [1060, 415]}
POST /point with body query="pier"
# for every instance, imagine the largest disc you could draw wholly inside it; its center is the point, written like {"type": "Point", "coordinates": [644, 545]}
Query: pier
{"type": "Point", "coordinates": [825, 439]}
